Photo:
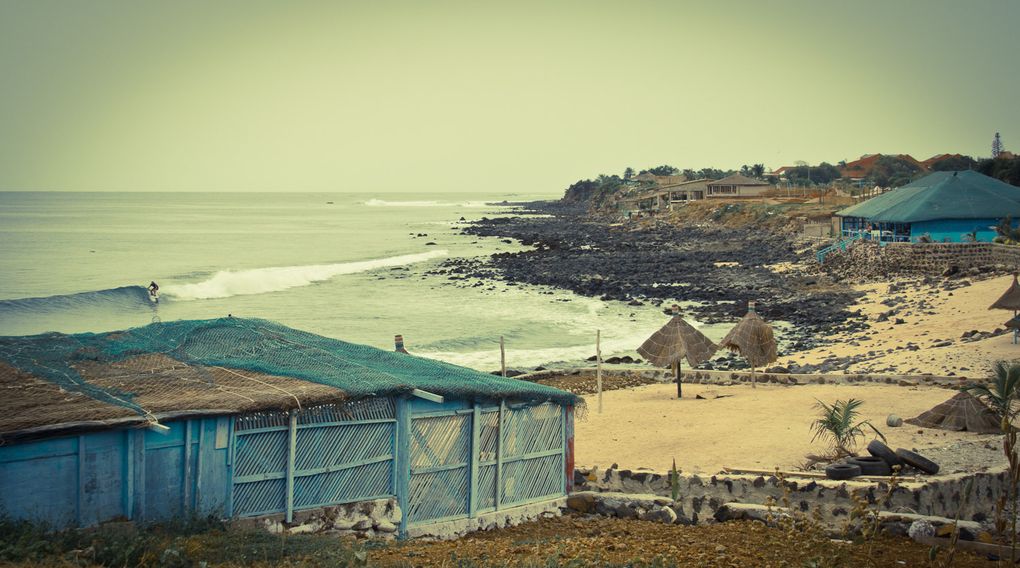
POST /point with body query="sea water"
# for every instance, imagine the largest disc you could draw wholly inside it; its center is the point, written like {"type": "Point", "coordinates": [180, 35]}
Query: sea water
{"type": "Point", "coordinates": [351, 266]}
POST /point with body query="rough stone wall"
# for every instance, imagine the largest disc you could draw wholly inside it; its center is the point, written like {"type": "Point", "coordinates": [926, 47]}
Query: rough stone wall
{"type": "Point", "coordinates": [730, 378]}
{"type": "Point", "coordinates": [867, 259]}
{"type": "Point", "coordinates": [702, 496]}
{"type": "Point", "coordinates": [380, 519]}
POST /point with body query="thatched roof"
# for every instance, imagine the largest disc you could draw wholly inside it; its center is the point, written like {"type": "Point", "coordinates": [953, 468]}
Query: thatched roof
{"type": "Point", "coordinates": [55, 382]}
{"type": "Point", "coordinates": [1010, 300]}
{"type": "Point", "coordinates": [962, 412]}
{"type": "Point", "coordinates": [676, 341]}
{"type": "Point", "coordinates": [753, 339]}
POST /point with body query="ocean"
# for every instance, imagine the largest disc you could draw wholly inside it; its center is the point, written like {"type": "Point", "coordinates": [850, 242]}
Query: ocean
{"type": "Point", "coordinates": [345, 265]}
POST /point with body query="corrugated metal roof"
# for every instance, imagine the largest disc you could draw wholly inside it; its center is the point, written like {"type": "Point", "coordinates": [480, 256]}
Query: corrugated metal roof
{"type": "Point", "coordinates": [942, 195]}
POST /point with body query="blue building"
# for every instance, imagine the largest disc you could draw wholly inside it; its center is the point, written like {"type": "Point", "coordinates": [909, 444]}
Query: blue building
{"type": "Point", "coordinates": [946, 206]}
{"type": "Point", "coordinates": [248, 418]}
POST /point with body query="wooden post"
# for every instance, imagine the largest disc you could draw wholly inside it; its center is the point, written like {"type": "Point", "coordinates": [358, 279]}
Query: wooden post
{"type": "Point", "coordinates": [186, 494]}
{"type": "Point", "coordinates": [502, 357]}
{"type": "Point", "coordinates": [598, 364]}
{"type": "Point", "coordinates": [679, 387]}
{"type": "Point", "coordinates": [291, 450]}
{"type": "Point", "coordinates": [500, 449]}
{"type": "Point", "coordinates": [402, 460]}
{"type": "Point", "coordinates": [476, 447]}
{"type": "Point", "coordinates": [754, 380]}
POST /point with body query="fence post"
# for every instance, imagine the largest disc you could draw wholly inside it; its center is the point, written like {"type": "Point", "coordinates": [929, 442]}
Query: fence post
{"type": "Point", "coordinates": [402, 461]}
{"type": "Point", "coordinates": [139, 496]}
{"type": "Point", "coordinates": [598, 364]}
{"type": "Point", "coordinates": [80, 502]}
{"type": "Point", "coordinates": [186, 494]}
{"type": "Point", "coordinates": [291, 450]}
{"type": "Point", "coordinates": [476, 427]}
{"type": "Point", "coordinates": [231, 455]}
{"type": "Point", "coordinates": [499, 454]}
{"type": "Point", "coordinates": [129, 475]}
{"type": "Point", "coordinates": [502, 357]}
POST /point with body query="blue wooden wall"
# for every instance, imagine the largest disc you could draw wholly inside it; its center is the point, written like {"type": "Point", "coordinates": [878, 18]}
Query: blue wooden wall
{"type": "Point", "coordinates": [955, 229]}
{"type": "Point", "coordinates": [442, 461]}
{"type": "Point", "coordinates": [131, 474]}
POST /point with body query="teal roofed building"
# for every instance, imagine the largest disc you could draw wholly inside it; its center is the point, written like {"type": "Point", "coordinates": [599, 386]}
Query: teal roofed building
{"type": "Point", "coordinates": [248, 418]}
{"type": "Point", "coordinates": [947, 206]}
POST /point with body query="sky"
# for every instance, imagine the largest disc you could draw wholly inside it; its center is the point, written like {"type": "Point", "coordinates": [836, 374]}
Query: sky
{"type": "Point", "coordinates": [484, 97]}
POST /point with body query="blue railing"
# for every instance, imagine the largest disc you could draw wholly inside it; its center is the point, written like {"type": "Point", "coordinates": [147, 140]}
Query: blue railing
{"type": "Point", "coordinates": [841, 245]}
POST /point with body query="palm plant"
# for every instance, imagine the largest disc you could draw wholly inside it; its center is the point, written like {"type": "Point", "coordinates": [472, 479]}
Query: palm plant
{"type": "Point", "coordinates": [839, 423]}
{"type": "Point", "coordinates": [1001, 393]}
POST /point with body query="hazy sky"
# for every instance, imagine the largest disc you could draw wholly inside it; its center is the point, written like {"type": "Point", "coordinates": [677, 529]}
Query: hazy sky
{"type": "Point", "coordinates": [486, 96]}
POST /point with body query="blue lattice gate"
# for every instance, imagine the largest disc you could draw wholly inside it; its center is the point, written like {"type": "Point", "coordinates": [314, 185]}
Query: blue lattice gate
{"type": "Point", "coordinates": [325, 455]}
{"type": "Point", "coordinates": [476, 460]}
{"type": "Point", "coordinates": [442, 461]}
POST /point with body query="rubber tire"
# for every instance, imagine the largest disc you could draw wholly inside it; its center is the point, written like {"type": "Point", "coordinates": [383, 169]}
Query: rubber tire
{"type": "Point", "coordinates": [871, 465]}
{"type": "Point", "coordinates": [917, 461]}
{"type": "Point", "coordinates": [878, 449]}
{"type": "Point", "coordinates": [842, 471]}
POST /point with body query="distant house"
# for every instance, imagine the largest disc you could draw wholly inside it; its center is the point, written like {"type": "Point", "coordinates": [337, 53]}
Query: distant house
{"type": "Point", "coordinates": [682, 192]}
{"type": "Point", "coordinates": [737, 185]}
{"type": "Point", "coordinates": [666, 197]}
{"type": "Point", "coordinates": [947, 206]}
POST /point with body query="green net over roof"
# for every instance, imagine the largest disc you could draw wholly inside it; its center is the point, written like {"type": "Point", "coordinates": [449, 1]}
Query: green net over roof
{"type": "Point", "coordinates": [942, 195]}
{"type": "Point", "coordinates": [258, 346]}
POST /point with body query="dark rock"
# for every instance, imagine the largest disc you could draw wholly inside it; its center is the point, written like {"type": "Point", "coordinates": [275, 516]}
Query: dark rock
{"type": "Point", "coordinates": [581, 502]}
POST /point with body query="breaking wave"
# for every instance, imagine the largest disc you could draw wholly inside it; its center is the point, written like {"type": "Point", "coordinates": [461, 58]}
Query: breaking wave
{"type": "Point", "coordinates": [124, 296]}
{"type": "Point", "coordinates": [384, 203]}
{"type": "Point", "coordinates": [227, 283]}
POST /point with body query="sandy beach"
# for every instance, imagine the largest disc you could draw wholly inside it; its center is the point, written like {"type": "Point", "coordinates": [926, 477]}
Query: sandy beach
{"type": "Point", "coordinates": [762, 428]}
{"type": "Point", "coordinates": [930, 338]}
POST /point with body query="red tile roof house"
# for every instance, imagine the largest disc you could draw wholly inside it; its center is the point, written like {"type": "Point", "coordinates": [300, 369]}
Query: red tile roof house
{"type": "Point", "coordinates": [861, 168]}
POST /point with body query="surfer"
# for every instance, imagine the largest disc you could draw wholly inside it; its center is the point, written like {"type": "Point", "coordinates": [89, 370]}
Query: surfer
{"type": "Point", "coordinates": [153, 289]}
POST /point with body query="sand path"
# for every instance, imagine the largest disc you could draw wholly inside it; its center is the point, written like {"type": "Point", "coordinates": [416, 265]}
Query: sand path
{"type": "Point", "coordinates": [646, 427]}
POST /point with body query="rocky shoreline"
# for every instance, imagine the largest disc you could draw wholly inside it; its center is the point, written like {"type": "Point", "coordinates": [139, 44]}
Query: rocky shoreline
{"type": "Point", "coordinates": [718, 269]}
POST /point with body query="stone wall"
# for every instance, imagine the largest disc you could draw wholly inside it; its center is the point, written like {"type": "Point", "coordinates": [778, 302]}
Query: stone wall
{"type": "Point", "coordinates": [730, 378]}
{"type": "Point", "coordinates": [381, 519]}
{"type": "Point", "coordinates": [868, 259]}
{"type": "Point", "coordinates": [702, 496]}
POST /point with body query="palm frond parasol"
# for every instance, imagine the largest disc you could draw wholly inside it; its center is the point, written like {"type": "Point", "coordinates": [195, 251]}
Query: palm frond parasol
{"type": "Point", "coordinates": [753, 339]}
{"type": "Point", "coordinates": [1010, 300]}
{"type": "Point", "coordinates": [674, 342]}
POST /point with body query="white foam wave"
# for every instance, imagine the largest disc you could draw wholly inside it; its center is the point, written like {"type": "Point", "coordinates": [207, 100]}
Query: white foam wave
{"type": "Point", "coordinates": [384, 203]}
{"type": "Point", "coordinates": [227, 283]}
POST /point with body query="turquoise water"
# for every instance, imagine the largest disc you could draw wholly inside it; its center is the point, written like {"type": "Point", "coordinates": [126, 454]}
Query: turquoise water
{"type": "Point", "coordinates": [349, 266]}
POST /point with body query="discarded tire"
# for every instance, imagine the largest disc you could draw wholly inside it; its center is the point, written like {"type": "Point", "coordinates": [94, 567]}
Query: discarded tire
{"type": "Point", "coordinates": [918, 461]}
{"type": "Point", "coordinates": [871, 465]}
{"type": "Point", "coordinates": [842, 471]}
{"type": "Point", "coordinates": [878, 449]}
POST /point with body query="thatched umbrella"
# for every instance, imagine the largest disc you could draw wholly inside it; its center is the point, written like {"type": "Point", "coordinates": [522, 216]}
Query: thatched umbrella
{"type": "Point", "coordinates": [1010, 300]}
{"type": "Point", "coordinates": [753, 339]}
{"type": "Point", "coordinates": [674, 342]}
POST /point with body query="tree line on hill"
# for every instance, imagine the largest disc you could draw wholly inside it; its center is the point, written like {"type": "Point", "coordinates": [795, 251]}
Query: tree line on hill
{"type": "Point", "coordinates": [887, 171]}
